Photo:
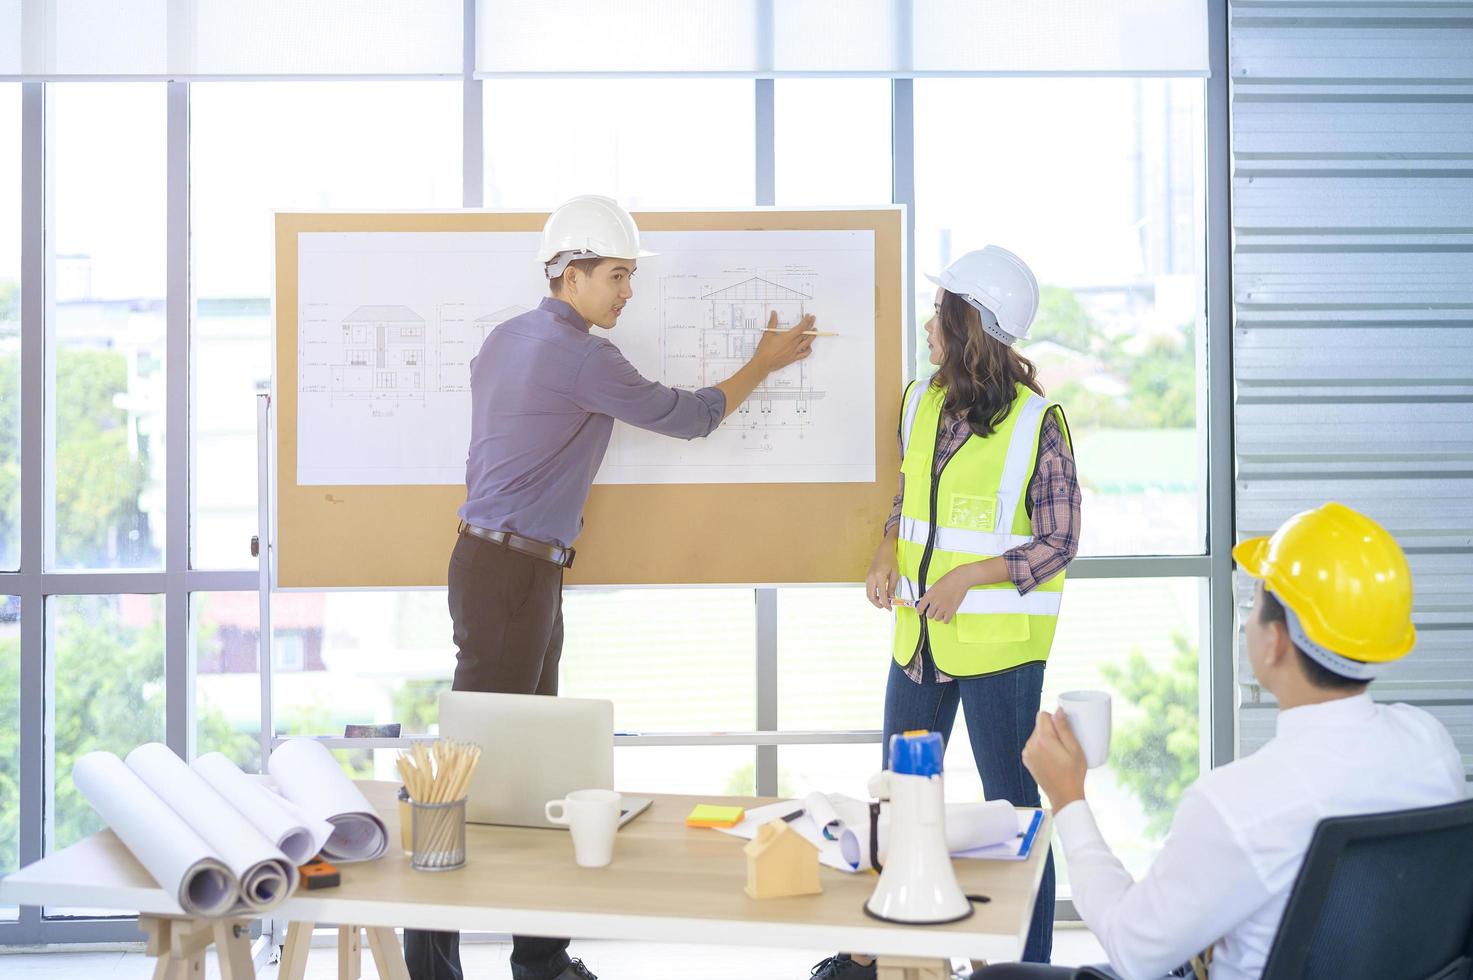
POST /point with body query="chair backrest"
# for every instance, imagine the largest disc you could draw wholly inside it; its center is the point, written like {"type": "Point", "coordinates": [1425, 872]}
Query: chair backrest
{"type": "Point", "coordinates": [1387, 896]}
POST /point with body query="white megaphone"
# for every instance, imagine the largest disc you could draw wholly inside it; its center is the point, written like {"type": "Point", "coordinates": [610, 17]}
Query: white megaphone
{"type": "Point", "coordinates": [917, 884]}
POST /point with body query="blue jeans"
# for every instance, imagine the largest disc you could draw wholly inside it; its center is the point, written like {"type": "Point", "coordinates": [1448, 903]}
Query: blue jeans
{"type": "Point", "coordinates": [1001, 710]}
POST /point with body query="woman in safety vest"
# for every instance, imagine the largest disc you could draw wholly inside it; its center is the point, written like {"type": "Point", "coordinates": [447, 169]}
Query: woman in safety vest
{"type": "Point", "coordinates": [974, 552]}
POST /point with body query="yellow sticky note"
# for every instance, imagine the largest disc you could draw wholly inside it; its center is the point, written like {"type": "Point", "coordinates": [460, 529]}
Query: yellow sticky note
{"type": "Point", "coordinates": [710, 815]}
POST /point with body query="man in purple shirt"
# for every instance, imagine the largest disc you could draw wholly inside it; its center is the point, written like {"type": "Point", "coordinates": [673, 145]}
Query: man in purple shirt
{"type": "Point", "coordinates": [545, 392]}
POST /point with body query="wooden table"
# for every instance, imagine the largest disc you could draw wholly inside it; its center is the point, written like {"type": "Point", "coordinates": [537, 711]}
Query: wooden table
{"type": "Point", "coordinates": [667, 883]}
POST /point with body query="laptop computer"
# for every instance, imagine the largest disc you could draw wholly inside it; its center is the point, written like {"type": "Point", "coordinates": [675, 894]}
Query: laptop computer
{"type": "Point", "coordinates": [534, 748]}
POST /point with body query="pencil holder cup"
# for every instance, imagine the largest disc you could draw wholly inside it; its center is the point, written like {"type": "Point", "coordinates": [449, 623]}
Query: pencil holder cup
{"type": "Point", "coordinates": [439, 835]}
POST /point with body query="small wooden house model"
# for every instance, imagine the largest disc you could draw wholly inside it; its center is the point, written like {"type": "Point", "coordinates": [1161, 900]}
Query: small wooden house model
{"type": "Point", "coordinates": [781, 862]}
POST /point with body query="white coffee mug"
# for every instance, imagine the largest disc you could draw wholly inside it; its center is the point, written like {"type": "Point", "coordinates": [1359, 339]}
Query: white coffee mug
{"type": "Point", "coordinates": [592, 816]}
{"type": "Point", "coordinates": [1089, 718]}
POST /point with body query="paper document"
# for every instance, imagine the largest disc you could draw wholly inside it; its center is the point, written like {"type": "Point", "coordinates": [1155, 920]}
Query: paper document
{"type": "Point", "coordinates": [298, 836]}
{"type": "Point", "coordinates": [306, 773]}
{"type": "Point", "coordinates": [389, 322]}
{"type": "Point", "coordinates": [265, 874]}
{"type": "Point", "coordinates": [181, 862]}
{"type": "Point", "coordinates": [995, 830]}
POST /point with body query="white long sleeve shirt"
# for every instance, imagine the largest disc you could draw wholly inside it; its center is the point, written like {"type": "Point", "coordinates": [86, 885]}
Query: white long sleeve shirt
{"type": "Point", "coordinates": [1240, 835]}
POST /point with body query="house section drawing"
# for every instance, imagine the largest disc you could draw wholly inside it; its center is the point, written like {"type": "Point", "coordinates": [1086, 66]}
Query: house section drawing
{"type": "Point", "coordinates": [703, 350]}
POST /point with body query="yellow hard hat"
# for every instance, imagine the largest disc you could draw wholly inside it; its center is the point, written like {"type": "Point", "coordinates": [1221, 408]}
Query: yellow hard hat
{"type": "Point", "coordinates": [1344, 576]}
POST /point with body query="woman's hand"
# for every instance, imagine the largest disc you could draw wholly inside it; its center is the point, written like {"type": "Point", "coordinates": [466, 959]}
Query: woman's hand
{"type": "Point", "coordinates": [944, 597]}
{"type": "Point", "coordinates": [884, 575]}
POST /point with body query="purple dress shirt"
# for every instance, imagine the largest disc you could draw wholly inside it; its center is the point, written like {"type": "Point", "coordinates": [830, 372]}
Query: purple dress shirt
{"type": "Point", "coordinates": [544, 396]}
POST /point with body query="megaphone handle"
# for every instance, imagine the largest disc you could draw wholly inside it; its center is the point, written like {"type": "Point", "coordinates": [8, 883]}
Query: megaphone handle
{"type": "Point", "coordinates": [874, 836]}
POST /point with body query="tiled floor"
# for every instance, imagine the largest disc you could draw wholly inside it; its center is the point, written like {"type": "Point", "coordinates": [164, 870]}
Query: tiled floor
{"type": "Point", "coordinates": [488, 961]}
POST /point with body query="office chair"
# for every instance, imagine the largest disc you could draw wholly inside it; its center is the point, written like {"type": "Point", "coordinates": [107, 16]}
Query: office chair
{"type": "Point", "coordinates": [1385, 896]}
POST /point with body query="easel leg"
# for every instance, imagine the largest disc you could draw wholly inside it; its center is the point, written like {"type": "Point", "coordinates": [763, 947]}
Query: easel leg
{"type": "Point", "coordinates": [293, 964]}
{"type": "Point", "coordinates": [179, 947]}
{"type": "Point", "coordinates": [233, 946]}
{"type": "Point", "coordinates": [350, 953]}
{"type": "Point", "coordinates": [911, 968]}
{"type": "Point", "coordinates": [388, 955]}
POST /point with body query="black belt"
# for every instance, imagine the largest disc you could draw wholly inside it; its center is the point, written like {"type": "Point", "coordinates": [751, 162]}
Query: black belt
{"type": "Point", "coordinates": [527, 546]}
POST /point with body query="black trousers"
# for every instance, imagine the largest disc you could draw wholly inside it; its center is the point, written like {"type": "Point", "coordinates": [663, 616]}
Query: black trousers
{"type": "Point", "coordinates": [507, 613]}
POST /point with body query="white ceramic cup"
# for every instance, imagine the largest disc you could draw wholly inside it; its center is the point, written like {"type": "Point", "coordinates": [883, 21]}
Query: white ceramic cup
{"type": "Point", "coordinates": [592, 817]}
{"type": "Point", "coordinates": [1089, 718]}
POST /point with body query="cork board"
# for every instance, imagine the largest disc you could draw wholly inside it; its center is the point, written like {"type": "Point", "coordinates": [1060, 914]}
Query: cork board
{"type": "Point", "coordinates": [384, 536]}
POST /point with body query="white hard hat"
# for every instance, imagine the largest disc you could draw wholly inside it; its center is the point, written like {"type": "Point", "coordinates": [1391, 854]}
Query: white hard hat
{"type": "Point", "coordinates": [1001, 287]}
{"type": "Point", "coordinates": [586, 227]}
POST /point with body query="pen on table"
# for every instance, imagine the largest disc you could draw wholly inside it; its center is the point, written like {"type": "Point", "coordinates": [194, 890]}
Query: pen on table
{"type": "Point", "coordinates": [790, 817]}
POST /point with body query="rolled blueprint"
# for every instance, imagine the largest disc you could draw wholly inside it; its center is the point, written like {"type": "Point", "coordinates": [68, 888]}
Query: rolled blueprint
{"type": "Point", "coordinates": [178, 858]}
{"type": "Point", "coordinates": [265, 874]}
{"type": "Point", "coordinates": [821, 811]}
{"type": "Point", "coordinates": [307, 775]}
{"type": "Point", "coordinates": [968, 826]}
{"type": "Point", "coordinates": [973, 825]}
{"type": "Point", "coordinates": [296, 835]}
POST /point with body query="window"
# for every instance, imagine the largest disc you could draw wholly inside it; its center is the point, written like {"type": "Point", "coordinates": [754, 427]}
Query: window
{"type": "Point", "coordinates": [832, 141]}
{"type": "Point", "coordinates": [650, 143]}
{"type": "Point", "coordinates": [226, 630]}
{"type": "Point", "coordinates": [833, 652]}
{"type": "Point", "coordinates": [9, 740]}
{"type": "Point", "coordinates": [107, 145]}
{"type": "Point", "coordinates": [1141, 640]}
{"type": "Point", "coordinates": [258, 147]}
{"type": "Point", "coordinates": [1098, 184]}
{"type": "Point", "coordinates": [360, 658]}
{"type": "Point", "coordinates": [9, 329]}
{"type": "Point", "coordinates": [107, 673]}
{"type": "Point", "coordinates": [638, 646]}
{"type": "Point", "coordinates": [705, 770]}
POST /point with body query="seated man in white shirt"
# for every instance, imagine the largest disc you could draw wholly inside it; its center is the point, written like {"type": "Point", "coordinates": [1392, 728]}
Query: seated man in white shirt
{"type": "Point", "coordinates": [1332, 608]}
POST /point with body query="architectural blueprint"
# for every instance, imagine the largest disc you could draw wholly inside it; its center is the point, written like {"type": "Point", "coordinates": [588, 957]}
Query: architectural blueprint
{"type": "Point", "coordinates": [387, 326]}
{"type": "Point", "coordinates": [388, 323]}
{"type": "Point", "coordinates": [712, 296]}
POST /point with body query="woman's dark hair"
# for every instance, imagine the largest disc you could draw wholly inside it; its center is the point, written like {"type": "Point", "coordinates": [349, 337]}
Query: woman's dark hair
{"type": "Point", "coordinates": [1271, 610]}
{"type": "Point", "coordinates": [979, 373]}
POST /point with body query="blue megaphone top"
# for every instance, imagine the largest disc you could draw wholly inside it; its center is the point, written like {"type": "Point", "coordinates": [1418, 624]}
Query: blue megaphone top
{"type": "Point", "coordinates": [916, 753]}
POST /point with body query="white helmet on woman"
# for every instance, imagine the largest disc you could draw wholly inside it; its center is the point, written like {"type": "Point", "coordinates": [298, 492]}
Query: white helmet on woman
{"type": "Point", "coordinates": [586, 227]}
{"type": "Point", "coordinates": [999, 285]}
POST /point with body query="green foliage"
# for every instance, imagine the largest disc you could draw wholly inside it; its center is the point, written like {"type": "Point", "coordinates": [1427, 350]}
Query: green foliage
{"type": "Point", "coordinates": [99, 475]}
{"type": "Point", "coordinates": [1163, 383]}
{"type": "Point", "coordinates": [1062, 320]}
{"type": "Point", "coordinates": [9, 460]}
{"type": "Point", "coordinates": [743, 782]}
{"type": "Point", "coordinates": [1155, 756]}
{"type": "Point", "coordinates": [9, 746]}
{"type": "Point", "coordinates": [109, 674]}
{"type": "Point", "coordinates": [416, 704]}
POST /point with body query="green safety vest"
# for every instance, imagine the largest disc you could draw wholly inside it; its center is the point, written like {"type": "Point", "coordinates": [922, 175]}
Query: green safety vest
{"type": "Point", "coordinates": [975, 509]}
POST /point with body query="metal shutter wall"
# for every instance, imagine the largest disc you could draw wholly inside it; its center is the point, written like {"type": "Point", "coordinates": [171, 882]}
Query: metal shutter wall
{"type": "Point", "coordinates": [1353, 291]}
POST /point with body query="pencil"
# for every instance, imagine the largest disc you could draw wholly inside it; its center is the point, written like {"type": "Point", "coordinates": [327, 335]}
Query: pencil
{"type": "Point", "coordinates": [806, 333]}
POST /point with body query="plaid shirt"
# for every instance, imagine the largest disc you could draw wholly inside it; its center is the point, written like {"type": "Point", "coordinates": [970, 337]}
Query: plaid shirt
{"type": "Point", "coordinates": [1053, 509]}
